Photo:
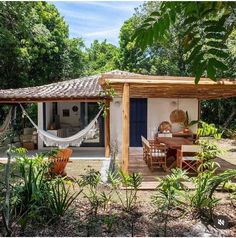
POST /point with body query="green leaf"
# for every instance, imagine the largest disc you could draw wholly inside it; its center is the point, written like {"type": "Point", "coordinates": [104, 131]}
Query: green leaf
{"type": "Point", "coordinates": [218, 64]}
{"type": "Point", "coordinates": [217, 44]}
{"type": "Point", "coordinates": [198, 59]}
{"type": "Point", "coordinates": [218, 53]}
{"type": "Point", "coordinates": [214, 35]}
{"type": "Point", "coordinates": [194, 52]}
{"type": "Point", "coordinates": [199, 71]}
{"type": "Point", "coordinates": [155, 14]}
{"type": "Point", "coordinates": [149, 20]}
{"type": "Point", "coordinates": [189, 20]}
{"type": "Point", "coordinates": [211, 71]}
{"type": "Point", "coordinates": [192, 43]}
{"type": "Point", "coordinates": [215, 29]}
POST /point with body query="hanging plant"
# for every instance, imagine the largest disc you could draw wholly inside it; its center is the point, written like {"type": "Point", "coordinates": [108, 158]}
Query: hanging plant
{"type": "Point", "coordinates": [106, 94]}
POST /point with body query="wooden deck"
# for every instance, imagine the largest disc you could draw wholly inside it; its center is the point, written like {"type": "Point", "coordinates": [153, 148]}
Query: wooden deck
{"type": "Point", "coordinates": [137, 164]}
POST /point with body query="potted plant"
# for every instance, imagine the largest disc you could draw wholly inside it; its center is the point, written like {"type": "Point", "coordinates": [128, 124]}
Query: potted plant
{"type": "Point", "coordinates": [188, 123]}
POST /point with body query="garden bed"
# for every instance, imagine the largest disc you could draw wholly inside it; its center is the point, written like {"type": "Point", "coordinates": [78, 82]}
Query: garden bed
{"type": "Point", "coordinates": [115, 222]}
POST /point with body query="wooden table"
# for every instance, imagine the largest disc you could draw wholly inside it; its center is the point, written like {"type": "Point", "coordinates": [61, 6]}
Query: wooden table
{"type": "Point", "coordinates": [173, 144]}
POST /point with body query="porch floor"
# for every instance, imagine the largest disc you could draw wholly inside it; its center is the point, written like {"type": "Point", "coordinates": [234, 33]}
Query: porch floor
{"type": "Point", "coordinates": [78, 153]}
{"type": "Point", "coordinates": [82, 159]}
{"type": "Point", "coordinates": [137, 164]}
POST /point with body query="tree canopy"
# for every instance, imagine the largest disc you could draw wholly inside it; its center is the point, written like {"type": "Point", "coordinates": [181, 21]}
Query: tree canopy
{"type": "Point", "coordinates": [155, 59]}
{"type": "Point", "coordinates": [207, 26]}
{"type": "Point", "coordinates": [34, 45]}
{"type": "Point", "coordinates": [101, 57]}
{"type": "Point", "coordinates": [161, 38]}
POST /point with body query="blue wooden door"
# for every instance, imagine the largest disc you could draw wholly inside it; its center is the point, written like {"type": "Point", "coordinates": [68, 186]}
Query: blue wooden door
{"type": "Point", "coordinates": [138, 120]}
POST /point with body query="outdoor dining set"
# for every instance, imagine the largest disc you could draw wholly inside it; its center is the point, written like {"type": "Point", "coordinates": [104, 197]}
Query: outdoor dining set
{"type": "Point", "coordinates": [169, 150]}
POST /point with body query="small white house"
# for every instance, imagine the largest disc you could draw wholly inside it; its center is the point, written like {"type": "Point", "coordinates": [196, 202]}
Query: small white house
{"type": "Point", "coordinates": [141, 104]}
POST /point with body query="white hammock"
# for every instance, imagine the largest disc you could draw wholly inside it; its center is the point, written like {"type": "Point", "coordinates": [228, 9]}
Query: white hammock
{"type": "Point", "coordinates": [51, 140]}
{"type": "Point", "coordinates": [4, 127]}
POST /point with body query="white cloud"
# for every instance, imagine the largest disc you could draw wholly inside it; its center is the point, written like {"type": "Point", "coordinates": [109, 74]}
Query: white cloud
{"type": "Point", "coordinates": [103, 33]}
{"type": "Point", "coordinates": [116, 5]}
{"type": "Point", "coordinates": [79, 15]}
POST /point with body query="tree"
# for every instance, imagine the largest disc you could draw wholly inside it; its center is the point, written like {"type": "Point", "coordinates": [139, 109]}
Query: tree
{"type": "Point", "coordinates": [207, 27]}
{"type": "Point", "coordinates": [101, 57]}
{"type": "Point", "coordinates": [156, 59]}
{"type": "Point", "coordinates": [34, 45]}
{"type": "Point", "coordinates": [74, 58]}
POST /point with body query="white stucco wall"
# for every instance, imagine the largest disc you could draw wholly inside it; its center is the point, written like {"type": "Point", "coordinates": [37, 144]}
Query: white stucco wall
{"type": "Point", "coordinates": [40, 119]}
{"type": "Point", "coordinates": [40, 123]}
{"type": "Point", "coordinates": [116, 122]}
{"type": "Point", "coordinates": [49, 116]}
{"type": "Point", "coordinates": [159, 110]}
{"type": "Point", "coordinates": [74, 118]}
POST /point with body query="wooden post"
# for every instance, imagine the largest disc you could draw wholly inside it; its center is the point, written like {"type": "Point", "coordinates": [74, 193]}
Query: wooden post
{"type": "Point", "coordinates": [107, 131]}
{"type": "Point", "coordinates": [199, 109]}
{"type": "Point", "coordinates": [125, 128]}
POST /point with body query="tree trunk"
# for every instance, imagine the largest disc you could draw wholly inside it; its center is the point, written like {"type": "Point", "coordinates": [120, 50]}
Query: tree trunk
{"type": "Point", "coordinates": [229, 119]}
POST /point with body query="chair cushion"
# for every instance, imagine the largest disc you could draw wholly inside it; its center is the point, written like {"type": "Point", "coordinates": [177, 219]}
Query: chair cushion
{"type": "Point", "coordinates": [190, 158]}
{"type": "Point", "coordinates": [158, 154]}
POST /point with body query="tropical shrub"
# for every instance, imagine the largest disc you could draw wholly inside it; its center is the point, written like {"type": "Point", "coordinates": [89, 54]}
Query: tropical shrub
{"type": "Point", "coordinates": [61, 196]}
{"type": "Point", "coordinates": [130, 184]}
{"type": "Point", "coordinates": [170, 193]}
{"type": "Point", "coordinates": [24, 190]}
{"type": "Point", "coordinates": [30, 191]}
{"type": "Point", "coordinates": [202, 199]}
{"type": "Point", "coordinates": [231, 188]}
{"type": "Point", "coordinates": [90, 183]}
{"type": "Point", "coordinates": [29, 195]}
{"type": "Point", "coordinates": [208, 137]}
{"type": "Point", "coordinates": [5, 206]}
{"type": "Point", "coordinates": [110, 221]}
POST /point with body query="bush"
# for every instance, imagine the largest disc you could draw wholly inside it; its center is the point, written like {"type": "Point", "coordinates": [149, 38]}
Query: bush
{"type": "Point", "coordinates": [91, 184]}
{"type": "Point", "coordinates": [32, 196]}
{"type": "Point", "coordinates": [170, 193]}
{"type": "Point", "coordinates": [208, 136]}
{"type": "Point", "coordinates": [202, 200]}
{"type": "Point", "coordinates": [130, 183]}
{"type": "Point", "coordinates": [60, 198]}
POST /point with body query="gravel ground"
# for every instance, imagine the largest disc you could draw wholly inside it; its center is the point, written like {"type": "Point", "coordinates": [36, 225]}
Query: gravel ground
{"type": "Point", "coordinates": [230, 150]}
{"type": "Point", "coordinates": [145, 220]}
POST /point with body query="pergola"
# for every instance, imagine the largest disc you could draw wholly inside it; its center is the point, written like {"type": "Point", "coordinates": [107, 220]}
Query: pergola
{"type": "Point", "coordinates": [144, 86]}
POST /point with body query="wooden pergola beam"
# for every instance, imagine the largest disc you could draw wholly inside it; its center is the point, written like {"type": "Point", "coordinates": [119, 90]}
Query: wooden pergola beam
{"type": "Point", "coordinates": [125, 128]}
{"type": "Point", "coordinates": [153, 79]}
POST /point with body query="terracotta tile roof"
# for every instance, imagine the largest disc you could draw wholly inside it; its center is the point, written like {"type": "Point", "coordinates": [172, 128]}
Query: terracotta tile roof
{"type": "Point", "coordinates": [88, 88]}
{"type": "Point", "coordinates": [81, 88]}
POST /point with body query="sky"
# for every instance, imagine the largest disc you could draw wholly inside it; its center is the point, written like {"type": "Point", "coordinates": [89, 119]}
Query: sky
{"type": "Point", "coordinates": [96, 20]}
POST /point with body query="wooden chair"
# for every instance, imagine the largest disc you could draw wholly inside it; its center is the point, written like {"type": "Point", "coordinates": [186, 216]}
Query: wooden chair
{"type": "Point", "coordinates": [156, 155]}
{"type": "Point", "coordinates": [187, 157]}
{"type": "Point", "coordinates": [145, 148]}
{"type": "Point", "coordinates": [59, 161]}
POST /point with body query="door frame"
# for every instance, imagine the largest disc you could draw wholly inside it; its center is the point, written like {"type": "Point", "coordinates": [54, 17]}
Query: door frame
{"type": "Point", "coordinates": [101, 142]}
